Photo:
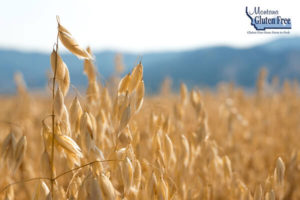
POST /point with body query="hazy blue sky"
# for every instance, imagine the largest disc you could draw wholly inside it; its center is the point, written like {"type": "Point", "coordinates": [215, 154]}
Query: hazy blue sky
{"type": "Point", "coordinates": [135, 25]}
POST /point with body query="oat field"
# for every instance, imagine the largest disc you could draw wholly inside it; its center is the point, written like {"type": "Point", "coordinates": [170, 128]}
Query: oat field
{"type": "Point", "coordinates": [114, 141]}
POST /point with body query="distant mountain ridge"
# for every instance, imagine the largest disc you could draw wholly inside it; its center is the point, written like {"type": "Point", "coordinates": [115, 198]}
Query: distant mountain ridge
{"type": "Point", "coordinates": [202, 67]}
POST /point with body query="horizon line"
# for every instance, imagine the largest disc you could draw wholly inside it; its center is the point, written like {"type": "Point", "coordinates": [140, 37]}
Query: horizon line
{"type": "Point", "coordinates": [163, 50]}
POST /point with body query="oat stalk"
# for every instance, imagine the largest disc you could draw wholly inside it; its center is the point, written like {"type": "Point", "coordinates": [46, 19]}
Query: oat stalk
{"type": "Point", "coordinates": [53, 119]}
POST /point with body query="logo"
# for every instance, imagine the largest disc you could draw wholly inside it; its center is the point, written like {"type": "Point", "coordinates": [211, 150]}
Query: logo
{"type": "Point", "coordinates": [263, 19]}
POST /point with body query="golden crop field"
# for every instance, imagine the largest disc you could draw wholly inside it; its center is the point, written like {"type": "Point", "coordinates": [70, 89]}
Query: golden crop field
{"type": "Point", "coordinates": [117, 142]}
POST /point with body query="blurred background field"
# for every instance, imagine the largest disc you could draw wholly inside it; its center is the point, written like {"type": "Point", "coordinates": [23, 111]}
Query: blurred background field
{"type": "Point", "coordinates": [202, 67]}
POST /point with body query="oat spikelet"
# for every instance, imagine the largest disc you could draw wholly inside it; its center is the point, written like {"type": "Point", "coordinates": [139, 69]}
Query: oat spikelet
{"type": "Point", "coordinates": [47, 136]}
{"type": "Point", "coordinates": [279, 171]}
{"type": "Point", "coordinates": [41, 191]}
{"type": "Point", "coordinates": [93, 91]}
{"type": "Point", "coordinates": [195, 98]}
{"type": "Point", "coordinates": [140, 96]}
{"type": "Point", "coordinates": [136, 77]}
{"type": "Point", "coordinates": [125, 136]}
{"type": "Point", "coordinates": [93, 189]}
{"type": "Point", "coordinates": [75, 114]}
{"type": "Point", "coordinates": [86, 132]}
{"type": "Point", "coordinates": [107, 187]}
{"type": "Point", "coordinates": [70, 43]}
{"type": "Point", "coordinates": [65, 83]}
{"type": "Point", "coordinates": [270, 195]}
{"type": "Point", "coordinates": [123, 85]}
{"type": "Point", "coordinates": [60, 65]}
{"type": "Point", "coordinates": [89, 68]}
{"type": "Point", "coordinates": [69, 145]}
{"type": "Point", "coordinates": [62, 72]}
{"type": "Point", "coordinates": [65, 122]}
{"type": "Point", "coordinates": [258, 194]}
{"type": "Point", "coordinates": [183, 94]}
{"type": "Point", "coordinates": [137, 175]}
{"type": "Point", "coordinates": [45, 166]}
{"type": "Point", "coordinates": [152, 186]}
{"type": "Point", "coordinates": [20, 152]}
{"type": "Point", "coordinates": [8, 149]}
{"type": "Point", "coordinates": [169, 150]}
{"type": "Point", "coordinates": [9, 194]}
{"type": "Point", "coordinates": [162, 189]}
{"type": "Point", "coordinates": [127, 175]}
{"type": "Point", "coordinates": [125, 117]}
{"type": "Point", "coordinates": [186, 150]}
{"type": "Point", "coordinates": [227, 167]}
{"type": "Point", "coordinates": [58, 103]}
